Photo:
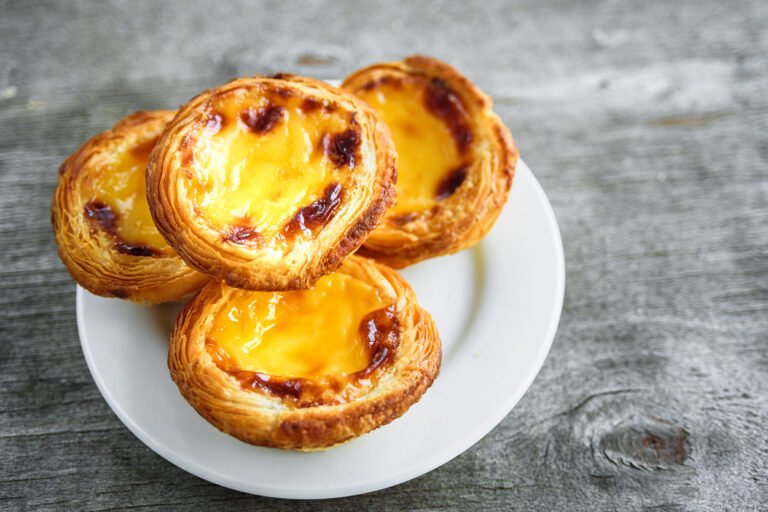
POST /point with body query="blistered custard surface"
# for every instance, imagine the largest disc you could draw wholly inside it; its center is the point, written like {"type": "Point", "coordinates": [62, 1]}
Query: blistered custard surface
{"type": "Point", "coordinates": [327, 330]}
{"type": "Point", "coordinates": [431, 132]}
{"type": "Point", "coordinates": [116, 199]}
{"type": "Point", "coordinates": [271, 165]}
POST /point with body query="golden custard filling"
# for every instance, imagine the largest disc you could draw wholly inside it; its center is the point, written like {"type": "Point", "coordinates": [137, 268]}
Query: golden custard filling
{"type": "Point", "coordinates": [270, 163]}
{"type": "Point", "coordinates": [328, 330]}
{"type": "Point", "coordinates": [431, 131]}
{"type": "Point", "coordinates": [117, 200]}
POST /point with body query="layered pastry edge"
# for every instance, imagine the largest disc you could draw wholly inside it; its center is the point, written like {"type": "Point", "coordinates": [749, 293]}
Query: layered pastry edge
{"type": "Point", "coordinates": [103, 231]}
{"type": "Point", "coordinates": [472, 203]}
{"type": "Point", "coordinates": [258, 415]}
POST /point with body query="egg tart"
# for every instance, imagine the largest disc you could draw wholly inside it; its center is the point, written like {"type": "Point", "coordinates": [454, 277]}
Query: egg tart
{"type": "Point", "coordinates": [101, 221]}
{"type": "Point", "coordinates": [268, 183]}
{"type": "Point", "coordinates": [456, 159]}
{"type": "Point", "coordinates": [306, 369]}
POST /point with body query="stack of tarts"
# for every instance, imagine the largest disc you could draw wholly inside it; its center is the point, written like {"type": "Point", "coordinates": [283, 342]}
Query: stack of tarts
{"type": "Point", "coordinates": [281, 205]}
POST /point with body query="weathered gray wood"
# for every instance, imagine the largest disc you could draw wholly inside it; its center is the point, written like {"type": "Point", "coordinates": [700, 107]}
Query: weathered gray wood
{"type": "Point", "coordinates": [646, 123]}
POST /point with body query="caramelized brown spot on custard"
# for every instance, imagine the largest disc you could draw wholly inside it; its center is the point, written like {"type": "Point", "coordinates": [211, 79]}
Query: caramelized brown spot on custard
{"type": "Point", "coordinates": [263, 119]}
{"type": "Point", "coordinates": [101, 215]}
{"type": "Point", "coordinates": [310, 105]}
{"type": "Point", "coordinates": [309, 219]}
{"type": "Point", "coordinates": [369, 86]}
{"type": "Point", "coordinates": [342, 148]}
{"type": "Point", "coordinates": [444, 103]}
{"type": "Point", "coordinates": [450, 183]}
{"type": "Point", "coordinates": [242, 235]}
{"type": "Point", "coordinates": [213, 123]}
{"type": "Point", "coordinates": [395, 82]}
{"type": "Point", "coordinates": [273, 385]}
{"type": "Point", "coordinates": [301, 392]}
{"type": "Point", "coordinates": [280, 76]}
{"type": "Point", "coordinates": [283, 92]}
{"type": "Point", "coordinates": [134, 250]}
{"type": "Point", "coordinates": [381, 330]}
{"type": "Point", "coordinates": [256, 381]}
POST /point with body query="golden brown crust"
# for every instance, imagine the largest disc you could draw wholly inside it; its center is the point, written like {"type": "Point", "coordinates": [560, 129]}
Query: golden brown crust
{"type": "Point", "coordinates": [257, 417]}
{"type": "Point", "coordinates": [89, 253]}
{"type": "Point", "coordinates": [462, 219]}
{"type": "Point", "coordinates": [369, 192]}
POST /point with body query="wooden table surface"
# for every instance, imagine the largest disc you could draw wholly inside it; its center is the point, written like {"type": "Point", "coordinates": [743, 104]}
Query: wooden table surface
{"type": "Point", "coordinates": [647, 125]}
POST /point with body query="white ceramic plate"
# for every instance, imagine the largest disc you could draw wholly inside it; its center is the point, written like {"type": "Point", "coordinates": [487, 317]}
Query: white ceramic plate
{"type": "Point", "coordinates": [497, 307]}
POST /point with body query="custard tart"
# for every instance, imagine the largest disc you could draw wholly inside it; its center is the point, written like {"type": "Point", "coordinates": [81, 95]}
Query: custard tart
{"type": "Point", "coordinates": [456, 159]}
{"type": "Point", "coordinates": [268, 183]}
{"type": "Point", "coordinates": [306, 369]}
{"type": "Point", "coordinates": [101, 221]}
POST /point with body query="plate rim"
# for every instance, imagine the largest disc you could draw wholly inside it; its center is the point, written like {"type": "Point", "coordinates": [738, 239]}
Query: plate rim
{"type": "Point", "coordinates": [479, 432]}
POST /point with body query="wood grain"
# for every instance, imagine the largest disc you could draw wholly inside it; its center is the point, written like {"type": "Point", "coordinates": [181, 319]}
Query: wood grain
{"type": "Point", "coordinates": [646, 123]}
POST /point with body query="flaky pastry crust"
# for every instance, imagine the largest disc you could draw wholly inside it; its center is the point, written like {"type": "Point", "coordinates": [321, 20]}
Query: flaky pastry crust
{"type": "Point", "coordinates": [95, 255]}
{"type": "Point", "coordinates": [366, 193]}
{"type": "Point", "coordinates": [259, 417]}
{"type": "Point", "coordinates": [462, 219]}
